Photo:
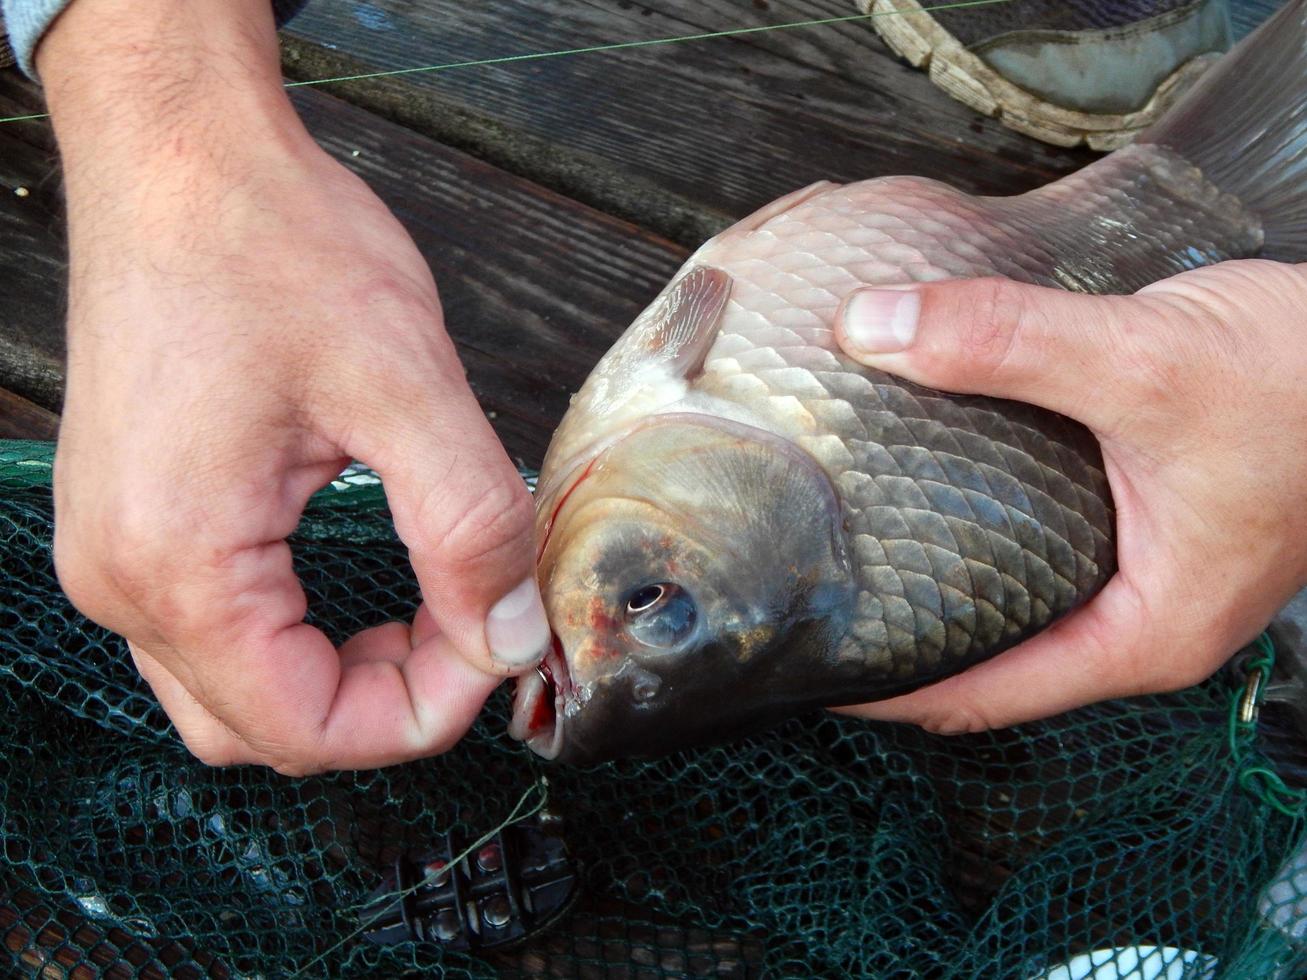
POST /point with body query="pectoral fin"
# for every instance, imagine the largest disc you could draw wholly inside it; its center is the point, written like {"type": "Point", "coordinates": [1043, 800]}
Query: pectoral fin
{"type": "Point", "coordinates": [676, 332]}
{"type": "Point", "coordinates": [650, 367]}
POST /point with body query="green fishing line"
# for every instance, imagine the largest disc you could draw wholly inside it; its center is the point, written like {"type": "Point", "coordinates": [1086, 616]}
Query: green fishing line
{"type": "Point", "coordinates": [617, 46]}
{"type": "Point", "coordinates": [595, 48]}
{"type": "Point", "coordinates": [34, 115]}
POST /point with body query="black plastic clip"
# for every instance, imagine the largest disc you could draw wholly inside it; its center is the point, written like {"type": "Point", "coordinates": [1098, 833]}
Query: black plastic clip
{"type": "Point", "coordinates": [513, 886]}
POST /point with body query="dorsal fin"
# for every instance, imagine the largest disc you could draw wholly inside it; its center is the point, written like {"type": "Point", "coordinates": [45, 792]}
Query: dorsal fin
{"type": "Point", "coordinates": [751, 222]}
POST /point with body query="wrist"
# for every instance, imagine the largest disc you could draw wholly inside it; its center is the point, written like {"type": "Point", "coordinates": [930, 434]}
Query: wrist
{"type": "Point", "coordinates": [144, 91]}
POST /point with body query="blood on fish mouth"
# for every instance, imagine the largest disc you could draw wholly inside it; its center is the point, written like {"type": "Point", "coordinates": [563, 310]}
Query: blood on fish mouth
{"type": "Point", "coordinates": [543, 715]}
{"type": "Point", "coordinates": [538, 702]}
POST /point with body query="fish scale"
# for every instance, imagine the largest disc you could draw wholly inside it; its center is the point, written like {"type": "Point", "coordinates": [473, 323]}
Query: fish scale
{"type": "Point", "coordinates": [884, 442]}
{"type": "Point", "coordinates": [738, 522]}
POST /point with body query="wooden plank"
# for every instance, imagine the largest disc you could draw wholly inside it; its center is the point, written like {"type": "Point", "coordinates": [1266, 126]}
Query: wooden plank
{"type": "Point", "coordinates": [33, 265]}
{"type": "Point", "coordinates": [21, 419]}
{"type": "Point", "coordinates": [677, 137]}
{"type": "Point", "coordinates": [1245, 15]}
{"type": "Point", "coordinates": [535, 287]}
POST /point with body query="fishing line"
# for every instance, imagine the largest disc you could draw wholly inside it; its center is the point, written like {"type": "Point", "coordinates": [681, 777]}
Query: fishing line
{"type": "Point", "coordinates": [542, 784]}
{"type": "Point", "coordinates": [595, 48]}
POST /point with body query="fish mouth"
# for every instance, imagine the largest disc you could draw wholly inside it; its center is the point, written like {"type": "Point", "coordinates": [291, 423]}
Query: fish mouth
{"type": "Point", "coordinates": [538, 704]}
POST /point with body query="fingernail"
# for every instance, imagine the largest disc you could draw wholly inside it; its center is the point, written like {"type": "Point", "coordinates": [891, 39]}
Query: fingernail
{"type": "Point", "coordinates": [517, 631]}
{"type": "Point", "coordinates": [881, 321]}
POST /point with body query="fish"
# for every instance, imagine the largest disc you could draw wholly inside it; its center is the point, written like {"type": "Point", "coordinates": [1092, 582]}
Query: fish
{"type": "Point", "coordinates": [737, 523]}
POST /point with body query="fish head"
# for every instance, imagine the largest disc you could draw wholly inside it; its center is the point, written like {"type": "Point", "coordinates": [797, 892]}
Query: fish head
{"type": "Point", "coordinates": [693, 572]}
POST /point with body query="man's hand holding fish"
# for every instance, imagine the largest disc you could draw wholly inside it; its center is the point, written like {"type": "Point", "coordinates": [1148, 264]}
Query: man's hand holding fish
{"type": "Point", "coordinates": [245, 318]}
{"type": "Point", "coordinates": [998, 499]}
{"type": "Point", "coordinates": [1196, 388]}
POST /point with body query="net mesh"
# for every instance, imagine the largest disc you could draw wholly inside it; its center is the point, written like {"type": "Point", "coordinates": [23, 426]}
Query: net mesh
{"type": "Point", "coordinates": [1118, 834]}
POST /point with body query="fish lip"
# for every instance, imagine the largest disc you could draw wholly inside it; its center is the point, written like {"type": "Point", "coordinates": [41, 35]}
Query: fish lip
{"type": "Point", "coordinates": [531, 687]}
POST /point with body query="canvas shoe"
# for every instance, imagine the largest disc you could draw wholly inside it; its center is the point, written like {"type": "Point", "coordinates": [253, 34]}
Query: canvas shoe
{"type": "Point", "coordinates": [1063, 71]}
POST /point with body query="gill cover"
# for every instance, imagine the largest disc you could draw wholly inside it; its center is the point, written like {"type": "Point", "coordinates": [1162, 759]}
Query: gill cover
{"type": "Point", "coordinates": [697, 580]}
{"type": "Point", "coordinates": [649, 368]}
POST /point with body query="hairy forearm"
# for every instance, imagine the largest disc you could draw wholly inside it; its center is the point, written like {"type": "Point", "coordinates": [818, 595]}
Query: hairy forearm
{"type": "Point", "coordinates": [164, 86]}
{"type": "Point", "coordinates": [175, 132]}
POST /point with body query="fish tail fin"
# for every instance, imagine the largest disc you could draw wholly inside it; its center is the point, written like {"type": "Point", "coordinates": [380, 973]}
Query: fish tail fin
{"type": "Point", "coordinates": [1244, 125]}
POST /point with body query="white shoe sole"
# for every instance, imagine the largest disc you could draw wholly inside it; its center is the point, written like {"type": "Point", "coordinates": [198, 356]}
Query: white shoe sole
{"type": "Point", "coordinates": [917, 37]}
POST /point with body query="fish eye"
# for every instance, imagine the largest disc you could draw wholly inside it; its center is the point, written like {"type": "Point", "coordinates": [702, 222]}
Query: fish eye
{"type": "Point", "coordinates": [642, 599]}
{"type": "Point", "coordinates": [660, 615]}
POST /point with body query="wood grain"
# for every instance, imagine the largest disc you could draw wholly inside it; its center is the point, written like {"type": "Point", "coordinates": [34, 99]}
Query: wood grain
{"type": "Point", "coordinates": [21, 419]}
{"type": "Point", "coordinates": [535, 287]}
{"type": "Point", "coordinates": [33, 267]}
{"type": "Point", "coordinates": [677, 137]}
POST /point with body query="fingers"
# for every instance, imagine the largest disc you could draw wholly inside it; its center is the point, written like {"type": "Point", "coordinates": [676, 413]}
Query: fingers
{"type": "Point", "coordinates": [1116, 646]}
{"type": "Point", "coordinates": [467, 519]}
{"type": "Point", "coordinates": [1045, 346]}
{"type": "Point", "coordinates": [389, 642]}
{"type": "Point", "coordinates": [210, 392]}
{"type": "Point", "coordinates": [392, 693]}
{"type": "Point", "coordinates": [385, 678]}
{"type": "Point", "coordinates": [1189, 385]}
{"type": "Point", "coordinates": [392, 708]}
{"type": "Point", "coordinates": [217, 630]}
{"type": "Point", "coordinates": [207, 738]}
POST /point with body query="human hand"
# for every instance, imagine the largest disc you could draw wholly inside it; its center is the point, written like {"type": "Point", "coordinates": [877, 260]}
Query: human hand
{"type": "Point", "coordinates": [245, 317]}
{"type": "Point", "coordinates": [1196, 388]}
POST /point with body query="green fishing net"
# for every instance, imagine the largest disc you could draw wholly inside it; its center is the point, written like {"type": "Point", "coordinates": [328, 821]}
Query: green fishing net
{"type": "Point", "coordinates": [1160, 835]}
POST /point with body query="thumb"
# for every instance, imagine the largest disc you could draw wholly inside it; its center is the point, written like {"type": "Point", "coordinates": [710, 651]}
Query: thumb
{"type": "Point", "coordinates": [997, 337]}
{"type": "Point", "coordinates": [467, 518]}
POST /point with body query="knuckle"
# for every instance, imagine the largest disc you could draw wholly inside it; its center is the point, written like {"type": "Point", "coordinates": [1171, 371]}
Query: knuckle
{"type": "Point", "coordinates": [1192, 659]}
{"type": "Point", "coordinates": [132, 542]}
{"type": "Point", "coordinates": [440, 738]}
{"type": "Point", "coordinates": [284, 745]}
{"type": "Point", "coordinates": [106, 567]}
{"type": "Point", "coordinates": [1134, 666]}
{"type": "Point", "coordinates": [1172, 360]}
{"type": "Point", "coordinates": [415, 334]}
{"type": "Point", "coordinates": [209, 742]}
{"type": "Point", "coordinates": [1119, 670]}
{"type": "Point", "coordinates": [1189, 672]}
{"type": "Point", "coordinates": [210, 753]}
{"type": "Point", "coordinates": [499, 521]}
{"type": "Point", "coordinates": [287, 752]}
{"type": "Point", "coordinates": [1115, 664]}
{"type": "Point", "coordinates": [958, 718]}
{"type": "Point", "coordinates": [1209, 327]}
{"type": "Point", "coordinates": [296, 768]}
{"type": "Point", "coordinates": [998, 311]}
{"type": "Point", "coordinates": [392, 297]}
{"type": "Point", "coordinates": [429, 744]}
{"type": "Point", "coordinates": [81, 577]}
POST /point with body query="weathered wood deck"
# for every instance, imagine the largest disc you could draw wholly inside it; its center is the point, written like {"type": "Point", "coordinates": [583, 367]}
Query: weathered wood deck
{"type": "Point", "coordinates": [551, 197]}
{"type": "Point", "coordinates": [600, 169]}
